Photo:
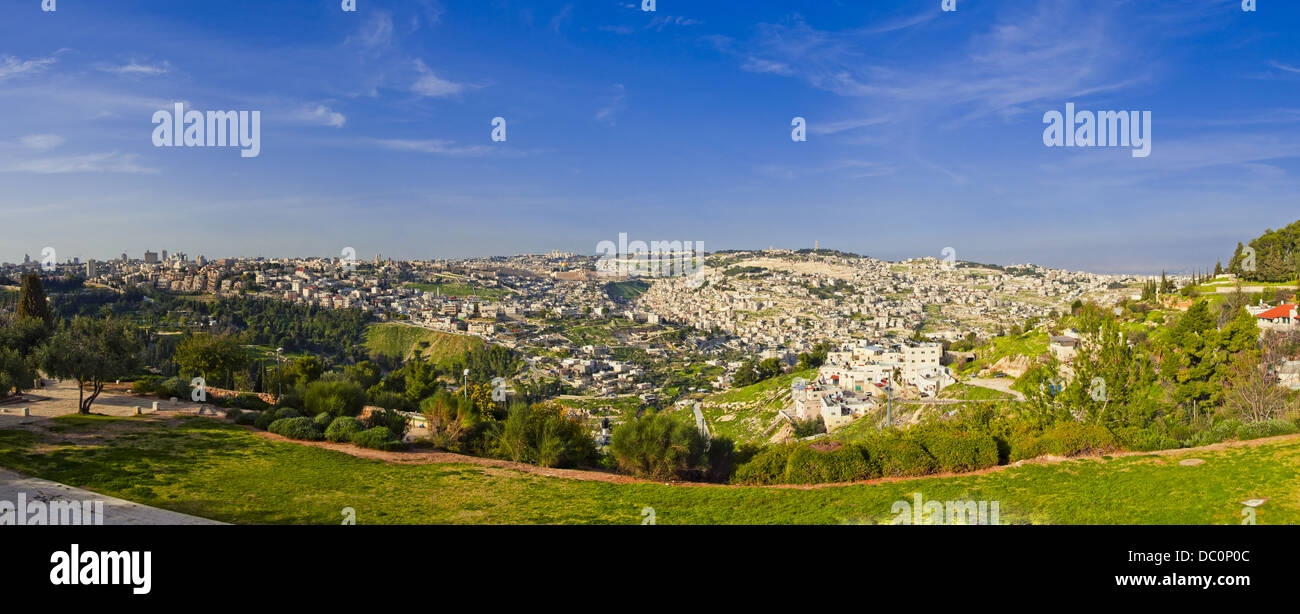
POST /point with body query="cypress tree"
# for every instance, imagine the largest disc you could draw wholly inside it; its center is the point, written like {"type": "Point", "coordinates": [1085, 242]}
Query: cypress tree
{"type": "Point", "coordinates": [32, 302]}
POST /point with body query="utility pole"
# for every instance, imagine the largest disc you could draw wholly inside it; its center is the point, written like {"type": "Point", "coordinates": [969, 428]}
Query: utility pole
{"type": "Point", "coordinates": [279, 375]}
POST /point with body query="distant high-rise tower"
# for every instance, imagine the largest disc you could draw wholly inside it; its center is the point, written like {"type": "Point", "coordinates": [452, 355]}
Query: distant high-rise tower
{"type": "Point", "coordinates": [164, 255]}
{"type": "Point", "coordinates": [90, 269]}
{"type": "Point", "coordinates": [150, 257]}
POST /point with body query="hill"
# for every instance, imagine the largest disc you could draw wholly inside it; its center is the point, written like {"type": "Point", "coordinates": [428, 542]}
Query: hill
{"type": "Point", "coordinates": [406, 341]}
{"type": "Point", "coordinates": [749, 413]}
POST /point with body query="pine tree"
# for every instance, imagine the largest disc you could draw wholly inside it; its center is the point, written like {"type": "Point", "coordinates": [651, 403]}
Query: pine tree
{"type": "Point", "coordinates": [32, 302]}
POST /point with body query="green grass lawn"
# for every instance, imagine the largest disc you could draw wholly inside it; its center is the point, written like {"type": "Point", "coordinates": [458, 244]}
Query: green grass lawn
{"type": "Point", "coordinates": [211, 468]}
{"type": "Point", "coordinates": [971, 392]}
{"type": "Point", "coordinates": [404, 341]}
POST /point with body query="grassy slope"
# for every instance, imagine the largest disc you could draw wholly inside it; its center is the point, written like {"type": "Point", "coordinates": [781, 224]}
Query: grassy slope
{"type": "Point", "coordinates": [1032, 344]}
{"type": "Point", "coordinates": [401, 340]}
{"type": "Point", "coordinates": [758, 407]}
{"type": "Point", "coordinates": [211, 468]}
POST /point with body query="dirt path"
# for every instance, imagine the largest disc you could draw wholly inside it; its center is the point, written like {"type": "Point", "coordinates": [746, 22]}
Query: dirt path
{"type": "Point", "coordinates": [425, 458]}
{"type": "Point", "coordinates": [430, 458]}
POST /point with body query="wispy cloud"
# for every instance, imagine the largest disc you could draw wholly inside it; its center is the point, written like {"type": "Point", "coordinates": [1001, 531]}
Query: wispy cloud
{"type": "Point", "coordinates": [42, 142]}
{"type": "Point", "coordinates": [849, 169]}
{"type": "Point", "coordinates": [112, 162]}
{"type": "Point", "coordinates": [847, 125]}
{"type": "Point", "coordinates": [429, 85]}
{"type": "Point", "coordinates": [11, 66]}
{"type": "Point", "coordinates": [1286, 67]}
{"type": "Point", "coordinates": [615, 104]}
{"type": "Point", "coordinates": [434, 146]}
{"type": "Point", "coordinates": [320, 115]}
{"type": "Point", "coordinates": [557, 22]}
{"type": "Point", "coordinates": [137, 69]}
{"type": "Point", "coordinates": [1012, 65]}
{"type": "Point", "coordinates": [376, 32]}
{"type": "Point", "coordinates": [663, 21]}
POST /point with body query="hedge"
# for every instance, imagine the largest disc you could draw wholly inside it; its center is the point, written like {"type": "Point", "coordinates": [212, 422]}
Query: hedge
{"type": "Point", "coordinates": [342, 429]}
{"type": "Point", "coordinates": [264, 419]}
{"type": "Point", "coordinates": [958, 451]}
{"type": "Point", "coordinates": [378, 438]}
{"type": "Point", "coordinates": [297, 428]}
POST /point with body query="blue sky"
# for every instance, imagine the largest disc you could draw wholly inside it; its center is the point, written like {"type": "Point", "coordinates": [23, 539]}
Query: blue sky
{"type": "Point", "coordinates": [924, 127]}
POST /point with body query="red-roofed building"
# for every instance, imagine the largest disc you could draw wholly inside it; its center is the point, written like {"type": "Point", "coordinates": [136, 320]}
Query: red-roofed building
{"type": "Point", "coordinates": [1280, 317]}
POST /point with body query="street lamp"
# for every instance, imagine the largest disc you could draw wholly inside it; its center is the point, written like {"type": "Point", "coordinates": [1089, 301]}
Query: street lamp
{"type": "Point", "coordinates": [464, 383]}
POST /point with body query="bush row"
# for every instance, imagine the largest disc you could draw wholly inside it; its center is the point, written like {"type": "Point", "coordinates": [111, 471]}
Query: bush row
{"type": "Point", "coordinates": [288, 422]}
{"type": "Point", "coordinates": [921, 451]}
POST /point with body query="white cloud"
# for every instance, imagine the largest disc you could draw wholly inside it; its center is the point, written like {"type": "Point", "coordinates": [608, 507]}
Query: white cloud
{"type": "Point", "coordinates": [376, 32]}
{"type": "Point", "coordinates": [433, 146]}
{"type": "Point", "coordinates": [760, 65]}
{"type": "Point", "coordinates": [11, 66]}
{"type": "Point", "coordinates": [135, 68]}
{"type": "Point", "coordinates": [320, 115]}
{"type": "Point", "coordinates": [1285, 67]}
{"type": "Point", "coordinates": [615, 105]}
{"type": "Point", "coordinates": [846, 125]}
{"type": "Point", "coordinates": [431, 86]}
{"type": "Point", "coordinates": [661, 22]}
{"type": "Point", "coordinates": [112, 162]}
{"type": "Point", "coordinates": [42, 142]}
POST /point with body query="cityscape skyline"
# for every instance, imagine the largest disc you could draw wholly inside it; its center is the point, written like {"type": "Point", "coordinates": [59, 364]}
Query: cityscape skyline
{"type": "Point", "coordinates": [924, 129]}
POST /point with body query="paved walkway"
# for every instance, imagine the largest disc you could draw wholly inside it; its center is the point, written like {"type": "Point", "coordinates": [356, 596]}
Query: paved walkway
{"type": "Point", "coordinates": [1001, 384]}
{"type": "Point", "coordinates": [116, 511]}
{"type": "Point", "coordinates": [60, 399]}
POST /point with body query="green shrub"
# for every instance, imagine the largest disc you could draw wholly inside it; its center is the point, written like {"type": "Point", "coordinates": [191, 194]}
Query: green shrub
{"type": "Point", "coordinates": [958, 451]}
{"type": "Point", "coordinates": [391, 400]}
{"type": "Point", "coordinates": [338, 397]}
{"type": "Point", "coordinates": [287, 412]}
{"type": "Point", "coordinates": [765, 467]}
{"type": "Point", "coordinates": [264, 419]}
{"type": "Point", "coordinates": [146, 385]}
{"type": "Point", "coordinates": [1068, 438]}
{"type": "Point", "coordinates": [899, 455]}
{"type": "Point", "coordinates": [247, 401]}
{"type": "Point", "coordinates": [342, 429]}
{"type": "Point", "coordinates": [248, 417]}
{"type": "Point", "coordinates": [378, 438]}
{"type": "Point", "coordinates": [1256, 430]}
{"type": "Point", "coordinates": [1149, 440]}
{"type": "Point", "coordinates": [657, 446]}
{"type": "Point", "coordinates": [846, 464]}
{"type": "Point", "coordinates": [233, 414]}
{"type": "Point", "coordinates": [173, 387]}
{"type": "Point", "coordinates": [394, 420]}
{"type": "Point", "coordinates": [323, 420]}
{"type": "Point", "coordinates": [296, 428]}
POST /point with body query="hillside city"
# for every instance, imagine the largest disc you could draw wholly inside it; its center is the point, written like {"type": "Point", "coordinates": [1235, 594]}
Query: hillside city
{"type": "Point", "coordinates": [770, 304]}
